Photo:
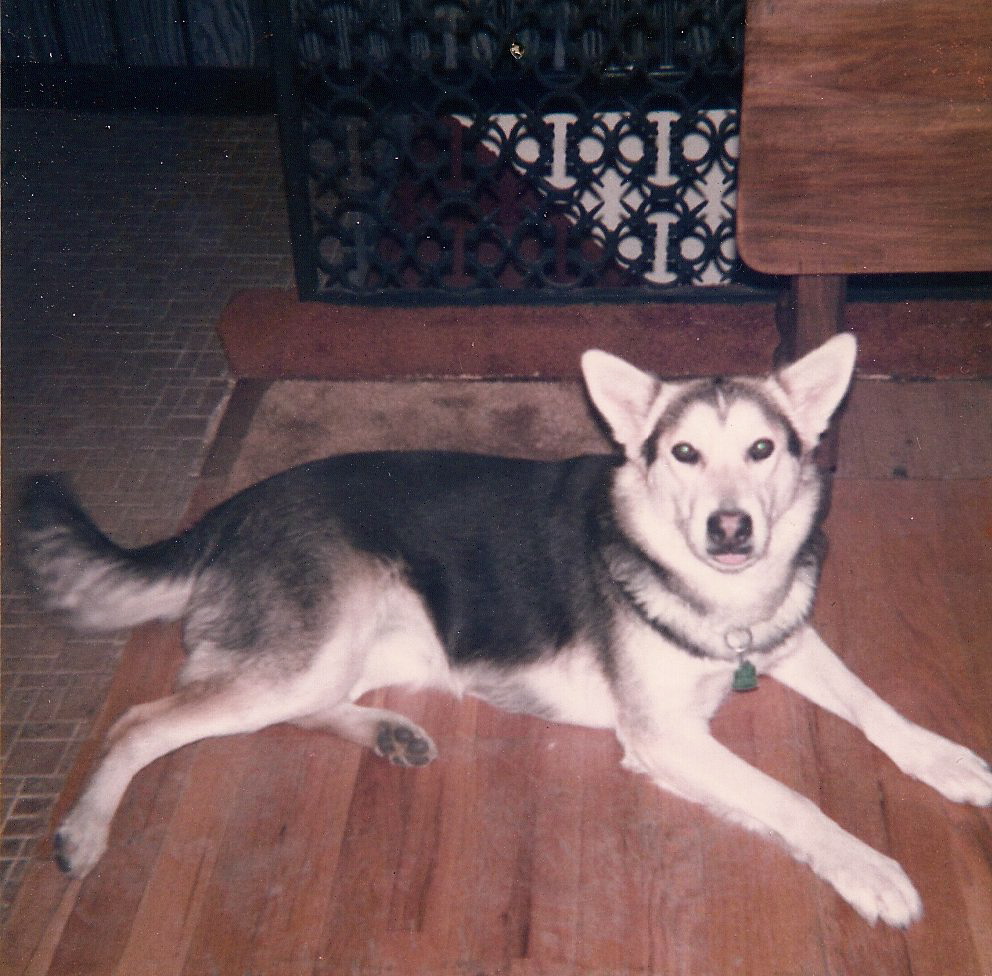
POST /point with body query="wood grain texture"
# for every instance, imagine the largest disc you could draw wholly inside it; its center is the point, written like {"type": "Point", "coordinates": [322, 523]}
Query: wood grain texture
{"type": "Point", "coordinates": [28, 32]}
{"type": "Point", "coordinates": [87, 29]}
{"type": "Point", "coordinates": [153, 33]}
{"type": "Point", "coordinates": [525, 849]}
{"type": "Point", "coordinates": [866, 137]}
{"type": "Point", "coordinates": [225, 32]}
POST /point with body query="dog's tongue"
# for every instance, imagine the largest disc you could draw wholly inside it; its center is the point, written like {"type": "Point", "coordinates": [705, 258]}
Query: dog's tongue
{"type": "Point", "coordinates": [731, 558]}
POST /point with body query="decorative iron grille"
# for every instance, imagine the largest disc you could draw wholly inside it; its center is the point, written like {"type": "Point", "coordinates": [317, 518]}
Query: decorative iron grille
{"type": "Point", "coordinates": [445, 150]}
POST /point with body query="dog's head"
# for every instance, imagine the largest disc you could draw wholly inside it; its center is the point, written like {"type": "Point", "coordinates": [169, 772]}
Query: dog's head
{"type": "Point", "coordinates": [723, 466]}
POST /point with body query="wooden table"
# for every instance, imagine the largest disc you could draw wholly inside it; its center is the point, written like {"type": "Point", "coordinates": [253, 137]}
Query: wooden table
{"type": "Point", "coordinates": [866, 145]}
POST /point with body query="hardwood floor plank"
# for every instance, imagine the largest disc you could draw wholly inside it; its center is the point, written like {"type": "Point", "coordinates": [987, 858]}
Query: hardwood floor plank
{"type": "Point", "coordinates": [850, 794]}
{"type": "Point", "coordinates": [178, 885]}
{"type": "Point", "coordinates": [934, 658]}
{"type": "Point", "coordinates": [941, 942]}
{"type": "Point", "coordinates": [963, 516]}
{"type": "Point", "coordinates": [574, 765]}
{"type": "Point", "coordinates": [443, 860]}
{"type": "Point", "coordinates": [45, 903]}
{"type": "Point", "coordinates": [963, 537]}
{"type": "Point", "coordinates": [616, 909]}
{"type": "Point", "coordinates": [502, 854]}
{"type": "Point", "coordinates": [849, 768]}
{"type": "Point", "coordinates": [768, 904]}
{"type": "Point", "coordinates": [910, 648]}
{"type": "Point", "coordinates": [401, 851]}
{"type": "Point", "coordinates": [970, 836]}
{"type": "Point", "coordinates": [305, 861]}
{"type": "Point", "coordinates": [252, 847]}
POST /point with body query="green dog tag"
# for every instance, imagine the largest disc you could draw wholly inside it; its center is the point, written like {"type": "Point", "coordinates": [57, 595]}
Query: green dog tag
{"type": "Point", "coordinates": [745, 677]}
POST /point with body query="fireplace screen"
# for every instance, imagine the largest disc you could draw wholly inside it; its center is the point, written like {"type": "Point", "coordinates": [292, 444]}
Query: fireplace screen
{"type": "Point", "coordinates": [476, 150]}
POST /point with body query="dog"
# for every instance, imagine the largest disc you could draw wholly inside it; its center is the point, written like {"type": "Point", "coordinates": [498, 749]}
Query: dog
{"type": "Point", "coordinates": [626, 591]}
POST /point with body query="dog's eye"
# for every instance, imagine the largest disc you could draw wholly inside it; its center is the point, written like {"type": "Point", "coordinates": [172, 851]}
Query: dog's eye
{"type": "Point", "coordinates": [685, 453]}
{"type": "Point", "coordinates": [761, 449]}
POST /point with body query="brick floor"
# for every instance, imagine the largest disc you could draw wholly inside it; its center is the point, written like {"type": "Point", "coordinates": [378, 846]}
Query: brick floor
{"type": "Point", "coordinates": [123, 239]}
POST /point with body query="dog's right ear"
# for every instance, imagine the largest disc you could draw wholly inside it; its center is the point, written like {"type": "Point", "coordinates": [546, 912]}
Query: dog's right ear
{"type": "Point", "coordinates": [623, 394]}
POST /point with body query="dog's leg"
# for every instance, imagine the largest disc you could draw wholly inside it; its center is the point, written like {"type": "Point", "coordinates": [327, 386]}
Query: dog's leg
{"type": "Point", "coordinates": [818, 674]}
{"type": "Point", "coordinates": [388, 734]}
{"type": "Point", "coordinates": [148, 731]}
{"type": "Point", "coordinates": [681, 756]}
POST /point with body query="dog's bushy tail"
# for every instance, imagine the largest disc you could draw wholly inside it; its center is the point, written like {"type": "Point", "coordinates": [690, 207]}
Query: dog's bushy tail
{"type": "Point", "coordinates": [95, 583]}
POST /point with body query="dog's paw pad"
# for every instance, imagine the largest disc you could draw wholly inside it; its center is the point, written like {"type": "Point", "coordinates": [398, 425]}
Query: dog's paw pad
{"type": "Point", "coordinates": [404, 745]}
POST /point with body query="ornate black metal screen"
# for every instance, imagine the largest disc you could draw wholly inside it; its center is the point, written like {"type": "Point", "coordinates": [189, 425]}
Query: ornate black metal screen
{"type": "Point", "coordinates": [478, 149]}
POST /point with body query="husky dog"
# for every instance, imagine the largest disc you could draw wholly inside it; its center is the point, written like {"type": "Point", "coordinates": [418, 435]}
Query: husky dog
{"type": "Point", "coordinates": [625, 591]}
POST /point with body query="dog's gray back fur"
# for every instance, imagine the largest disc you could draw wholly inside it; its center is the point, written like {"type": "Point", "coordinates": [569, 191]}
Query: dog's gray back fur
{"type": "Point", "coordinates": [503, 554]}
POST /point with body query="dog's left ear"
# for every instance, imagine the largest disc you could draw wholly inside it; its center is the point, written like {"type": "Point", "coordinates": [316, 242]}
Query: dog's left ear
{"type": "Point", "coordinates": [622, 394]}
{"type": "Point", "coordinates": [816, 384]}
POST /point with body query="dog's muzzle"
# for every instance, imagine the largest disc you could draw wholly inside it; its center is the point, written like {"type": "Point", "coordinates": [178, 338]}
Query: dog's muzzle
{"type": "Point", "coordinates": [728, 537]}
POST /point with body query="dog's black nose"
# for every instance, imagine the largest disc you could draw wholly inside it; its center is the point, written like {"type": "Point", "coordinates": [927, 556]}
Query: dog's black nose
{"type": "Point", "coordinates": [731, 528]}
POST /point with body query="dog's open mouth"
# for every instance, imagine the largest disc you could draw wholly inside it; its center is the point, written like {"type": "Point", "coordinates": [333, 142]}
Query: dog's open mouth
{"type": "Point", "coordinates": [731, 558]}
{"type": "Point", "coordinates": [730, 538]}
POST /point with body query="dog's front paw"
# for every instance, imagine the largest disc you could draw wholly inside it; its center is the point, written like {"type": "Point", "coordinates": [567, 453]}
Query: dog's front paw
{"type": "Point", "coordinates": [79, 844]}
{"type": "Point", "coordinates": [874, 885]}
{"type": "Point", "coordinates": [949, 768]}
{"type": "Point", "coordinates": [963, 777]}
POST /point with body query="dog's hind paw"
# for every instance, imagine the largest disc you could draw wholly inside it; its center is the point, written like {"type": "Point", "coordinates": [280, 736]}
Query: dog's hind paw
{"type": "Point", "coordinates": [404, 745]}
{"type": "Point", "coordinates": [76, 852]}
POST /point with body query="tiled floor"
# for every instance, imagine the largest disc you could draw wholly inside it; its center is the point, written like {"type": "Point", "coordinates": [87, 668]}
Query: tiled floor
{"type": "Point", "coordinates": [123, 239]}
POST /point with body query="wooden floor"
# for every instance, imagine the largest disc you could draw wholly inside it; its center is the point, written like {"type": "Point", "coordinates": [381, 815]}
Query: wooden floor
{"type": "Point", "coordinates": [525, 850]}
